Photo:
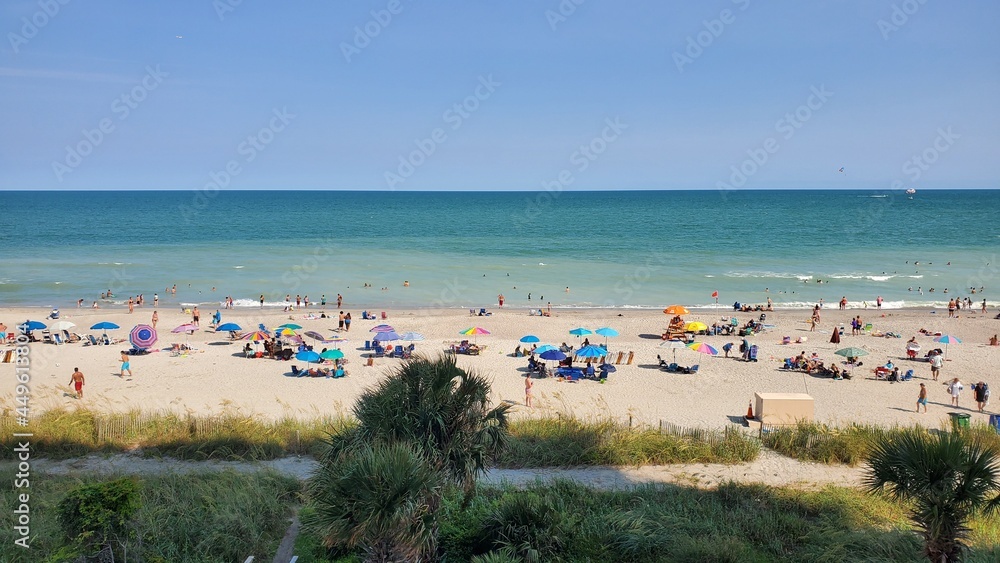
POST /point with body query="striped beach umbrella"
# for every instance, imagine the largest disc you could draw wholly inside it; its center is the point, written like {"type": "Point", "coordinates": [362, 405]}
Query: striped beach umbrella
{"type": "Point", "coordinates": [381, 328]}
{"type": "Point", "coordinates": [187, 327]}
{"type": "Point", "coordinates": [947, 339]}
{"type": "Point", "coordinates": [142, 336]}
{"type": "Point", "coordinates": [703, 348]}
{"type": "Point", "coordinates": [474, 331]}
{"type": "Point", "coordinates": [256, 336]}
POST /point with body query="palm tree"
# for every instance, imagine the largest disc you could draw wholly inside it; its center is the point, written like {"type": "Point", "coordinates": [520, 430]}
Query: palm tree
{"type": "Point", "coordinates": [947, 478]}
{"type": "Point", "coordinates": [439, 413]}
{"type": "Point", "coordinates": [441, 409]}
{"type": "Point", "coordinates": [375, 499]}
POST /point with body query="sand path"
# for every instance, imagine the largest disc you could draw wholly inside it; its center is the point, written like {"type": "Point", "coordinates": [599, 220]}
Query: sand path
{"type": "Point", "coordinates": [770, 469]}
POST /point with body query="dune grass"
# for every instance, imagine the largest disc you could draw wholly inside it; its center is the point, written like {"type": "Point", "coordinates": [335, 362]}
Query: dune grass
{"type": "Point", "coordinates": [850, 445]}
{"type": "Point", "coordinates": [65, 433]}
{"type": "Point", "coordinates": [739, 523]}
{"type": "Point", "coordinates": [220, 516]}
{"type": "Point", "coordinates": [545, 442]}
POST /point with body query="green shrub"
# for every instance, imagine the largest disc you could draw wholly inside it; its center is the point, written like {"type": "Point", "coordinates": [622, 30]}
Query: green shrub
{"type": "Point", "coordinates": [95, 513]}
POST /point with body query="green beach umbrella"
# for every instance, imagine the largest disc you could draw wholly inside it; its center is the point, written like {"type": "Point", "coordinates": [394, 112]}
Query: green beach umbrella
{"type": "Point", "coordinates": [851, 352]}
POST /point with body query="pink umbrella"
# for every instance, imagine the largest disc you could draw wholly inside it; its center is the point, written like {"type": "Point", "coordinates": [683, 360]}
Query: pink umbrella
{"type": "Point", "coordinates": [186, 328]}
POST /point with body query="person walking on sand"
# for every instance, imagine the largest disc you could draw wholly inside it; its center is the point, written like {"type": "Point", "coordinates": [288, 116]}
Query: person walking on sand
{"type": "Point", "coordinates": [982, 394]}
{"type": "Point", "coordinates": [156, 318]}
{"type": "Point", "coordinates": [528, 384]}
{"type": "Point", "coordinates": [340, 300]}
{"type": "Point", "coordinates": [77, 380]}
{"type": "Point", "coordinates": [937, 360]}
{"type": "Point", "coordinates": [922, 398]}
{"type": "Point", "coordinates": [126, 365]}
{"type": "Point", "coordinates": [984, 305]}
{"type": "Point", "coordinates": [340, 321]}
{"type": "Point", "coordinates": [347, 322]}
{"type": "Point", "coordinates": [956, 391]}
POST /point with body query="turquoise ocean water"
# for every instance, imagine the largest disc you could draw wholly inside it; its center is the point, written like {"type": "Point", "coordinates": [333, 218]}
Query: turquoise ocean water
{"type": "Point", "coordinates": [622, 249]}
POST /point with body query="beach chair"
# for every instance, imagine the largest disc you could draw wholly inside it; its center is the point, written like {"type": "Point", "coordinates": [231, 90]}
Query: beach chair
{"type": "Point", "coordinates": [908, 375]}
{"type": "Point", "coordinates": [618, 360]}
{"type": "Point", "coordinates": [368, 345]}
{"type": "Point", "coordinates": [693, 369]}
{"type": "Point", "coordinates": [47, 337]}
{"type": "Point", "coordinates": [298, 372]}
{"type": "Point", "coordinates": [671, 367]}
{"type": "Point", "coordinates": [8, 356]}
{"type": "Point", "coordinates": [58, 339]}
{"type": "Point", "coordinates": [631, 356]}
{"type": "Point", "coordinates": [868, 327]}
{"type": "Point", "coordinates": [397, 352]}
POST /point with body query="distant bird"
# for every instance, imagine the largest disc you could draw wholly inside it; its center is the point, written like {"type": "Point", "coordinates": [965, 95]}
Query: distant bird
{"type": "Point", "coordinates": [841, 170]}
{"type": "Point", "coordinates": [179, 36]}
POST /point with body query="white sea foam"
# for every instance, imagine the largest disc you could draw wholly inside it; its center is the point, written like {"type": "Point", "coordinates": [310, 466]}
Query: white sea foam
{"type": "Point", "coordinates": [542, 264]}
{"type": "Point", "coordinates": [238, 267]}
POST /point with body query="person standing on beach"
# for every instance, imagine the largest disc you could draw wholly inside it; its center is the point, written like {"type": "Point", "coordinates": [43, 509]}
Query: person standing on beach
{"type": "Point", "coordinates": [156, 318]}
{"type": "Point", "coordinates": [922, 398]}
{"type": "Point", "coordinates": [195, 316]}
{"type": "Point", "coordinates": [77, 380]}
{"type": "Point", "coordinates": [500, 300]}
{"type": "Point", "coordinates": [322, 300]}
{"type": "Point", "coordinates": [340, 321]}
{"type": "Point", "coordinates": [126, 365]}
{"type": "Point", "coordinates": [306, 301]}
{"type": "Point", "coordinates": [347, 322]}
{"type": "Point", "coordinates": [936, 362]}
{"type": "Point", "coordinates": [261, 300]}
{"type": "Point", "coordinates": [981, 392]}
{"type": "Point", "coordinates": [528, 384]}
{"type": "Point", "coordinates": [340, 300]}
{"type": "Point", "coordinates": [878, 302]}
{"type": "Point", "coordinates": [843, 303]}
{"type": "Point", "coordinates": [156, 300]}
{"type": "Point", "coordinates": [956, 391]}
{"type": "Point", "coordinates": [984, 305]}
{"type": "Point", "coordinates": [131, 306]}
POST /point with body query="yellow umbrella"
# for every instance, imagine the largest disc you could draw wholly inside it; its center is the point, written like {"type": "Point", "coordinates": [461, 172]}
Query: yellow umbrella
{"type": "Point", "coordinates": [695, 326]}
{"type": "Point", "coordinates": [676, 310]}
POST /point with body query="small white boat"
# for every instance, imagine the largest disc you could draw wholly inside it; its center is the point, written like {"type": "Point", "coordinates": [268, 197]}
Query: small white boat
{"type": "Point", "coordinates": [911, 191]}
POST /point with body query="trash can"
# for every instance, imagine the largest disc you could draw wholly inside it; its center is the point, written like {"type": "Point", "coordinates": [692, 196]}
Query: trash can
{"type": "Point", "coordinates": [995, 422]}
{"type": "Point", "coordinates": [959, 420]}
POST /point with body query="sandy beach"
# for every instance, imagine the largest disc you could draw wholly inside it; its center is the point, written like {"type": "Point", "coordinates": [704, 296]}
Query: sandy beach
{"type": "Point", "coordinates": [216, 376]}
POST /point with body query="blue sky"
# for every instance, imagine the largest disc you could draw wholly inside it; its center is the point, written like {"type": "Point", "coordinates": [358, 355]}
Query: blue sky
{"type": "Point", "coordinates": [290, 95]}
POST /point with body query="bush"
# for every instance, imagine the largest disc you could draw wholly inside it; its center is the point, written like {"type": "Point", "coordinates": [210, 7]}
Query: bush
{"type": "Point", "coordinates": [94, 514]}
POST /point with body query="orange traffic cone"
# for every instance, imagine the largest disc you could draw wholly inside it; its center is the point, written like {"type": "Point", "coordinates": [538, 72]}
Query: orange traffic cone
{"type": "Point", "coordinates": [750, 411]}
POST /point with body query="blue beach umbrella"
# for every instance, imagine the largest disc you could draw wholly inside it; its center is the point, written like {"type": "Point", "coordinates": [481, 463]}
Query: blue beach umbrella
{"type": "Point", "coordinates": [332, 355]}
{"type": "Point", "coordinates": [28, 326]}
{"type": "Point", "coordinates": [545, 348]}
{"type": "Point", "coordinates": [387, 336]}
{"type": "Point", "coordinates": [591, 352]}
{"type": "Point", "coordinates": [292, 326]}
{"type": "Point", "coordinates": [606, 332]}
{"type": "Point", "coordinates": [530, 339]}
{"type": "Point", "coordinates": [580, 331]}
{"type": "Point", "coordinates": [552, 355]}
{"type": "Point", "coordinates": [228, 327]}
{"type": "Point", "coordinates": [104, 325]}
{"type": "Point", "coordinates": [307, 356]}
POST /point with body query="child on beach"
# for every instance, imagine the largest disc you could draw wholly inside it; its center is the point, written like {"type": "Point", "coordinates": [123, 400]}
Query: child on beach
{"type": "Point", "coordinates": [922, 398]}
{"type": "Point", "coordinates": [126, 365]}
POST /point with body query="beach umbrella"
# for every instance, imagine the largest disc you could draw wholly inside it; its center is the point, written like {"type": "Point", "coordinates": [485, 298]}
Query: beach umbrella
{"type": "Point", "coordinates": [695, 326]}
{"type": "Point", "coordinates": [606, 332]}
{"type": "Point", "coordinates": [62, 325]}
{"type": "Point", "coordinates": [676, 310]}
{"type": "Point", "coordinates": [530, 339]}
{"type": "Point", "coordinates": [307, 356]}
{"type": "Point", "coordinates": [411, 336]}
{"type": "Point", "coordinates": [105, 325]}
{"type": "Point", "coordinates": [591, 352]}
{"type": "Point", "coordinates": [580, 331]}
{"type": "Point", "coordinates": [292, 326]}
{"type": "Point", "coordinates": [142, 336]}
{"type": "Point", "coordinates": [381, 328]}
{"type": "Point", "coordinates": [284, 331]}
{"type": "Point", "coordinates": [552, 355]}
{"type": "Point", "coordinates": [387, 336]}
{"type": "Point", "coordinates": [228, 327]}
{"type": "Point", "coordinates": [545, 348]}
{"type": "Point", "coordinates": [28, 326]}
{"type": "Point", "coordinates": [187, 327]}
{"type": "Point", "coordinates": [674, 345]}
{"type": "Point", "coordinates": [474, 331]}
{"type": "Point", "coordinates": [703, 348]}
{"type": "Point", "coordinates": [946, 340]}
{"type": "Point", "coordinates": [332, 355]}
{"type": "Point", "coordinates": [256, 336]}
{"type": "Point", "coordinates": [835, 338]}
{"type": "Point", "coordinates": [316, 336]}
{"type": "Point", "coordinates": [851, 352]}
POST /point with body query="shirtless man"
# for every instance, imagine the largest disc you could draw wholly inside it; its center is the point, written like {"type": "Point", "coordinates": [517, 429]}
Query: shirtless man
{"type": "Point", "coordinates": [126, 365]}
{"type": "Point", "coordinates": [528, 384]}
{"type": "Point", "coordinates": [77, 380]}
